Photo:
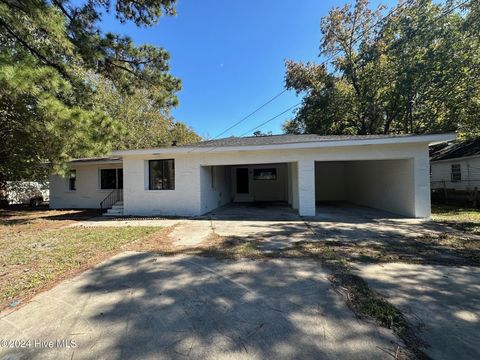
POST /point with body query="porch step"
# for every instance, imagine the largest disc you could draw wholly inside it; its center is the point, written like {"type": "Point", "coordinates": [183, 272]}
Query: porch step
{"type": "Point", "coordinates": [115, 210]}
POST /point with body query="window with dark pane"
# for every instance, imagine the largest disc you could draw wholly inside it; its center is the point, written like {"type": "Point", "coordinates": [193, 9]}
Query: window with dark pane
{"type": "Point", "coordinates": [108, 178]}
{"type": "Point", "coordinates": [265, 174]}
{"type": "Point", "coordinates": [72, 180]}
{"type": "Point", "coordinates": [161, 174]}
{"type": "Point", "coordinates": [456, 172]}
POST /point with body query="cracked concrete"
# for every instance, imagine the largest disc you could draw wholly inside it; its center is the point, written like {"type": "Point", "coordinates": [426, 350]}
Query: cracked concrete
{"type": "Point", "coordinates": [143, 306]}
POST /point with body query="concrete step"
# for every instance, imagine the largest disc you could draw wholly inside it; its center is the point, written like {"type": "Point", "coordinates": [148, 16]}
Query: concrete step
{"type": "Point", "coordinates": [119, 203]}
{"type": "Point", "coordinates": [116, 206]}
{"type": "Point", "coordinates": [113, 212]}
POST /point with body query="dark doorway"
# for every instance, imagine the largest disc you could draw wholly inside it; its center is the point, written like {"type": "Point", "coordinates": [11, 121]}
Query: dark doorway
{"type": "Point", "coordinates": [242, 181]}
{"type": "Point", "coordinates": [120, 178]}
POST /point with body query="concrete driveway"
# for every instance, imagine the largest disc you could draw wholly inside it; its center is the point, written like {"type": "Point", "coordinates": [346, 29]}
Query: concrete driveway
{"type": "Point", "coordinates": [278, 226]}
{"type": "Point", "coordinates": [441, 302]}
{"type": "Point", "coordinates": [143, 306]}
{"type": "Point", "coordinates": [139, 305]}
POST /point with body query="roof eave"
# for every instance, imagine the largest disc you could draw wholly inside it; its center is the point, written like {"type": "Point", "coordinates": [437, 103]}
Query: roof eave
{"type": "Point", "coordinates": [95, 162]}
{"type": "Point", "coordinates": [457, 158]}
{"type": "Point", "coordinates": [427, 139]}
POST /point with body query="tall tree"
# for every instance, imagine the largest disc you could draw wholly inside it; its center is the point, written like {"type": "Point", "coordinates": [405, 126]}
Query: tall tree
{"type": "Point", "coordinates": [413, 70]}
{"type": "Point", "coordinates": [144, 124]}
{"type": "Point", "coordinates": [53, 58]}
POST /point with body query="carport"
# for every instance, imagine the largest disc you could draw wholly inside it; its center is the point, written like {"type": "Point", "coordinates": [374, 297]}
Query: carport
{"type": "Point", "coordinates": [386, 172]}
{"type": "Point", "coordinates": [380, 184]}
{"type": "Point", "coordinates": [266, 184]}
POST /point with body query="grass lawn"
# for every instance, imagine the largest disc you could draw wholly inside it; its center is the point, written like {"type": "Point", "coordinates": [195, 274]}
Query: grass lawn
{"type": "Point", "coordinates": [463, 219]}
{"type": "Point", "coordinates": [37, 249]}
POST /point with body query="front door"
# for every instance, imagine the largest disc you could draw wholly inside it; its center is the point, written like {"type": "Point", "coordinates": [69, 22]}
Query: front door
{"type": "Point", "coordinates": [242, 181]}
{"type": "Point", "coordinates": [119, 178]}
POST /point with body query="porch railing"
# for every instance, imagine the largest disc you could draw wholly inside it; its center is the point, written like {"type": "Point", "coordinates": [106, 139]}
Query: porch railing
{"type": "Point", "coordinates": [111, 199]}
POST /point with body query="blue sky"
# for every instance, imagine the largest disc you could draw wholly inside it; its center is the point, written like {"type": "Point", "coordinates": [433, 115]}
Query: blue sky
{"type": "Point", "coordinates": [230, 57]}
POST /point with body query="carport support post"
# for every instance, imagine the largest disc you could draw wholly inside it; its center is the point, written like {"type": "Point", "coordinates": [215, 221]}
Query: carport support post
{"type": "Point", "coordinates": [306, 188]}
{"type": "Point", "coordinates": [421, 171]}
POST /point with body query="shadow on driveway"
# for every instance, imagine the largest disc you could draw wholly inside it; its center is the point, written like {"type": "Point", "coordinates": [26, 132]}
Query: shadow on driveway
{"type": "Point", "coordinates": [443, 302]}
{"type": "Point", "coordinates": [145, 306]}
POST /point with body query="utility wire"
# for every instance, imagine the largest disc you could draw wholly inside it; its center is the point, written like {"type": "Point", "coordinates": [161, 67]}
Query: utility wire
{"type": "Point", "coordinates": [357, 38]}
{"type": "Point", "coordinates": [253, 112]}
{"type": "Point", "coordinates": [325, 62]}
{"type": "Point", "coordinates": [248, 116]}
{"type": "Point", "coordinates": [263, 123]}
{"type": "Point", "coordinates": [271, 119]}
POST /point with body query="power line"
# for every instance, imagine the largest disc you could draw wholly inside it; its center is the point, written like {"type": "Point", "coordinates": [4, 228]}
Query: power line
{"type": "Point", "coordinates": [247, 116]}
{"type": "Point", "coordinates": [324, 62]}
{"type": "Point", "coordinates": [263, 123]}
{"type": "Point", "coordinates": [253, 112]}
{"type": "Point", "coordinates": [271, 119]}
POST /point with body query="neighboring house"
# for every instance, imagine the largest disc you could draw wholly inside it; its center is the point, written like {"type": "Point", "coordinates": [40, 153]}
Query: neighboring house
{"type": "Point", "coordinates": [384, 172]}
{"type": "Point", "coordinates": [455, 168]}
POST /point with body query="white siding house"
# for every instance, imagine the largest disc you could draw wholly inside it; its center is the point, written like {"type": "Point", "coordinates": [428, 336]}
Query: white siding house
{"type": "Point", "coordinates": [458, 174]}
{"type": "Point", "coordinates": [385, 172]}
{"type": "Point", "coordinates": [455, 172]}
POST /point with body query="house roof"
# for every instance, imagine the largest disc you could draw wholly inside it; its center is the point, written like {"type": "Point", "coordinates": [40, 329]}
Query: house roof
{"type": "Point", "coordinates": [274, 142]}
{"type": "Point", "coordinates": [106, 159]}
{"type": "Point", "coordinates": [455, 150]}
{"type": "Point", "coordinates": [284, 139]}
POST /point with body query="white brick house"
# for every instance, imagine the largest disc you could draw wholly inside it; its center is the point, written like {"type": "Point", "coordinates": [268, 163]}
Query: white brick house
{"type": "Point", "coordinates": [385, 172]}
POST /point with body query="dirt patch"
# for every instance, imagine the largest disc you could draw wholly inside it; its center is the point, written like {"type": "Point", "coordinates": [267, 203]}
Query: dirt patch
{"type": "Point", "coordinates": [20, 219]}
{"type": "Point", "coordinates": [443, 250]}
{"type": "Point", "coordinates": [158, 241]}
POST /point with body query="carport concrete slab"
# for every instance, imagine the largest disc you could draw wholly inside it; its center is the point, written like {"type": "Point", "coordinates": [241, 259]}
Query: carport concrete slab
{"type": "Point", "coordinates": [144, 306]}
{"type": "Point", "coordinates": [254, 212]}
{"type": "Point", "coordinates": [443, 302]}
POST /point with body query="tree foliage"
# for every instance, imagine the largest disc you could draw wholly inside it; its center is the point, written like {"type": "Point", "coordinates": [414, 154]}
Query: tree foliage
{"type": "Point", "coordinates": [413, 69]}
{"type": "Point", "coordinates": [144, 124]}
{"type": "Point", "coordinates": [67, 89]}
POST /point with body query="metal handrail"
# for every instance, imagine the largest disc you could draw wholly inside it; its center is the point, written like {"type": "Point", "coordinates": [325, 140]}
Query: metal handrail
{"type": "Point", "coordinates": [111, 199]}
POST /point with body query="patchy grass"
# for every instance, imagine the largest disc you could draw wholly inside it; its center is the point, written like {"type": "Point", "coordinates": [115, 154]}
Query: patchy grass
{"type": "Point", "coordinates": [32, 261]}
{"type": "Point", "coordinates": [231, 248]}
{"type": "Point", "coordinates": [463, 219]}
{"type": "Point", "coordinates": [37, 250]}
{"type": "Point", "coordinates": [446, 249]}
{"type": "Point", "coordinates": [366, 303]}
